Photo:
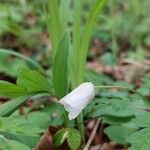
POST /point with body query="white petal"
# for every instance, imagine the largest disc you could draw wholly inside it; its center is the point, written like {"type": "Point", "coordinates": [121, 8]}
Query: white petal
{"type": "Point", "coordinates": [78, 99]}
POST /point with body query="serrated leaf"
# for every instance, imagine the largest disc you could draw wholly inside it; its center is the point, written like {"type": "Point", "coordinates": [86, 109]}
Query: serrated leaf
{"type": "Point", "coordinates": [9, 107]}
{"type": "Point", "coordinates": [60, 67]}
{"type": "Point", "coordinates": [140, 140]}
{"type": "Point", "coordinates": [8, 89]}
{"type": "Point", "coordinates": [118, 133]}
{"type": "Point", "coordinates": [33, 82]}
{"type": "Point", "coordinates": [19, 125]}
{"type": "Point", "coordinates": [6, 144]}
{"type": "Point", "coordinates": [20, 129]}
{"type": "Point", "coordinates": [60, 137]}
{"type": "Point", "coordinates": [73, 138]}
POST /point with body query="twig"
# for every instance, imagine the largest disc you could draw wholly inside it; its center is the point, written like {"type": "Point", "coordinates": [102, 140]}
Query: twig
{"type": "Point", "coordinates": [92, 135]}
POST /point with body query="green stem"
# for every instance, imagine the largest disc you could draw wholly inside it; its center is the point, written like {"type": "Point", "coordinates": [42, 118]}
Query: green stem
{"type": "Point", "coordinates": [81, 126]}
{"type": "Point", "coordinates": [118, 87]}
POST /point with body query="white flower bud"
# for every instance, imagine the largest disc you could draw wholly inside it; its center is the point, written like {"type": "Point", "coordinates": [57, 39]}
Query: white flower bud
{"type": "Point", "coordinates": [78, 99]}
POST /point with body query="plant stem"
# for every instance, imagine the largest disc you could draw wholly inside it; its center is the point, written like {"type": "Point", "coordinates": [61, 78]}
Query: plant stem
{"type": "Point", "coordinates": [118, 87]}
{"type": "Point", "coordinates": [81, 126]}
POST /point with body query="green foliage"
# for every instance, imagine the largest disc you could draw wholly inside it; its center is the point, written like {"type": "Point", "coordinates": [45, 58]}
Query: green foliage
{"type": "Point", "coordinates": [108, 59]}
{"type": "Point", "coordinates": [18, 130]}
{"type": "Point", "coordinates": [145, 88]}
{"type": "Point", "coordinates": [11, 66]}
{"type": "Point", "coordinates": [121, 111]}
{"type": "Point", "coordinates": [57, 113]}
{"type": "Point", "coordinates": [113, 120]}
{"type": "Point", "coordinates": [6, 144]}
{"type": "Point", "coordinates": [8, 89]}
{"type": "Point", "coordinates": [142, 120]}
{"type": "Point", "coordinates": [10, 14]}
{"type": "Point", "coordinates": [140, 139]}
{"type": "Point", "coordinates": [60, 67]}
{"type": "Point", "coordinates": [73, 138]}
{"type": "Point", "coordinates": [120, 28]}
{"type": "Point", "coordinates": [40, 119]}
{"type": "Point", "coordinates": [9, 107]}
{"type": "Point", "coordinates": [80, 47]}
{"type": "Point", "coordinates": [29, 83]}
{"type": "Point", "coordinates": [118, 133]}
{"type": "Point", "coordinates": [53, 23]}
{"type": "Point", "coordinates": [33, 82]}
{"type": "Point", "coordinates": [15, 21]}
{"type": "Point", "coordinates": [71, 135]}
{"type": "Point", "coordinates": [60, 137]}
{"type": "Point", "coordinates": [113, 106]}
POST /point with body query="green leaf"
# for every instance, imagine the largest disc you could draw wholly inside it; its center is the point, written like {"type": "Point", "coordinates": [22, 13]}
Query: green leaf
{"type": "Point", "coordinates": [81, 46]}
{"type": "Point", "coordinates": [53, 23]}
{"type": "Point", "coordinates": [57, 113]}
{"type": "Point", "coordinates": [71, 135]}
{"type": "Point", "coordinates": [113, 107]}
{"type": "Point", "coordinates": [65, 11]}
{"type": "Point", "coordinates": [73, 138]}
{"type": "Point", "coordinates": [6, 144]}
{"type": "Point", "coordinates": [60, 67]}
{"type": "Point", "coordinates": [115, 120]}
{"type": "Point", "coordinates": [108, 59]}
{"type": "Point", "coordinates": [19, 125]}
{"type": "Point", "coordinates": [142, 120]}
{"type": "Point", "coordinates": [11, 67]}
{"type": "Point", "coordinates": [118, 133]}
{"type": "Point", "coordinates": [140, 140]}
{"type": "Point", "coordinates": [9, 107]}
{"type": "Point", "coordinates": [8, 89]}
{"type": "Point", "coordinates": [20, 129]}
{"type": "Point", "coordinates": [30, 141]}
{"type": "Point", "coordinates": [60, 137]}
{"type": "Point", "coordinates": [40, 119]}
{"type": "Point", "coordinates": [33, 82]}
{"type": "Point", "coordinates": [145, 87]}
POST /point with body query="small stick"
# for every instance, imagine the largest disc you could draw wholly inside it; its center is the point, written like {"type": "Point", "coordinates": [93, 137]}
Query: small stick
{"type": "Point", "coordinates": [92, 135]}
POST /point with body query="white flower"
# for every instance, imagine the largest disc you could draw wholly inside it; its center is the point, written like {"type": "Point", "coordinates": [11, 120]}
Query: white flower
{"type": "Point", "coordinates": [78, 99]}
